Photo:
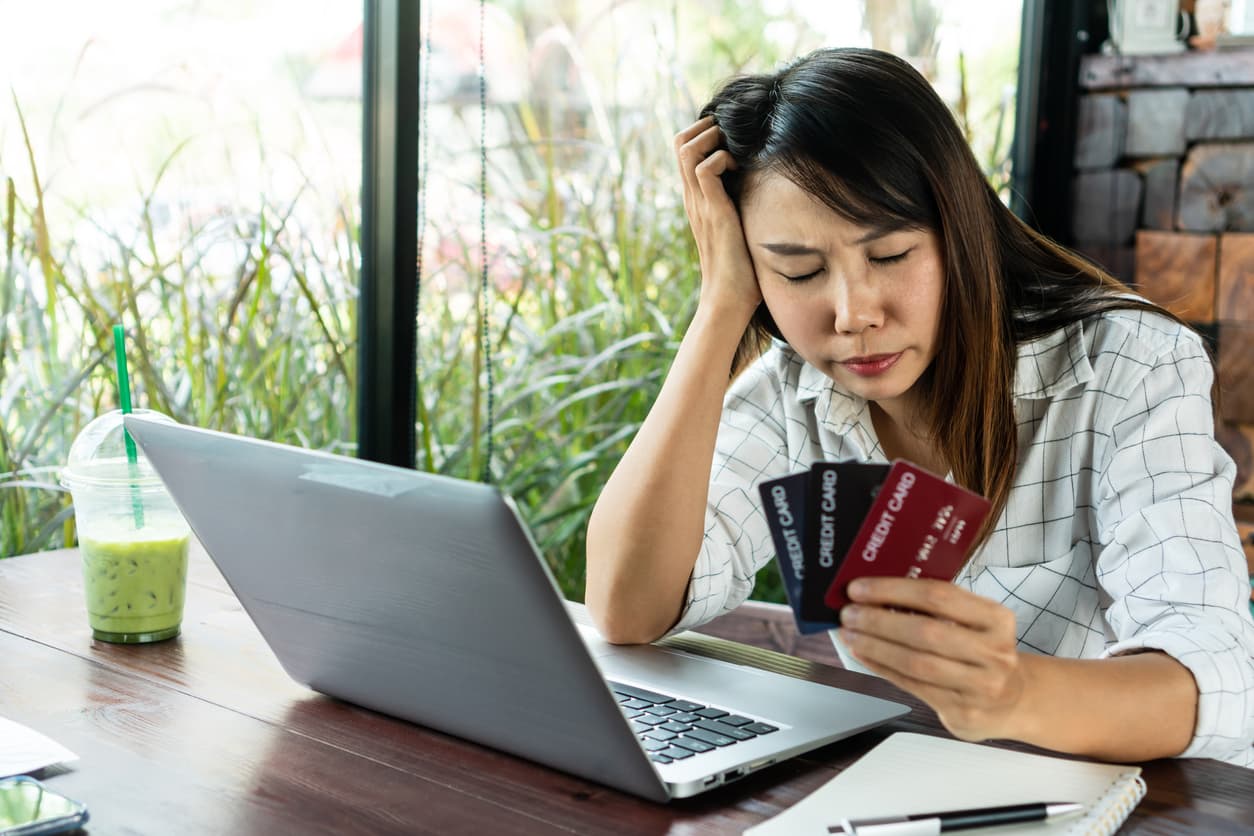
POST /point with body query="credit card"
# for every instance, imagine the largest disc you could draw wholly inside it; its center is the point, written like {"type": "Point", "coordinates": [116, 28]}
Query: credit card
{"type": "Point", "coordinates": [919, 526]}
{"type": "Point", "coordinates": [784, 501]}
{"type": "Point", "coordinates": [838, 498]}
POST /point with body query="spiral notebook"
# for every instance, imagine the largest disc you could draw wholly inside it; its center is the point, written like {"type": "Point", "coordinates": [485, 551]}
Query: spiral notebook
{"type": "Point", "coordinates": [918, 773]}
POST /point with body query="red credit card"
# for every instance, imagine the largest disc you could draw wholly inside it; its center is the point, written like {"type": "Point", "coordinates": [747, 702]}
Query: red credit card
{"type": "Point", "coordinates": [919, 526]}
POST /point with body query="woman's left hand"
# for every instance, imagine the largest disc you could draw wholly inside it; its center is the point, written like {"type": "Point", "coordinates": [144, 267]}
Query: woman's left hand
{"type": "Point", "coordinates": [951, 648]}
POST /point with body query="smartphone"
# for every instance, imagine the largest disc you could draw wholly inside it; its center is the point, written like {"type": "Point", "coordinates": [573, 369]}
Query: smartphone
{"type": "Point", "coordinates": [28, 808]}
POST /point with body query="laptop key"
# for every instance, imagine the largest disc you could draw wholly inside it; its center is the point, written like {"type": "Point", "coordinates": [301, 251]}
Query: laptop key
{"type": "Point", "coordinates": [639, 727]}
{"type": "Point", "coordinates": [684, 705]}
{"type": "Point", "coordinates": [639, 693]}
{"type": "Point", "coordinates": [711, 713]}
{"type": "Point", "coordinates": [671, 725]}
{"type": "Point", "coordinates": [727, 731]}
{"type": "Point", "coordinates": [660, 710]}
{"type": "Point", "coordinates": [760, 728]}
{"type": "Point", "coordinates": [632, 713]}
{"type": "Point", "coordinates": [684, 717]}
{"type": "Point", "coordinates": [676, 753]}
{"type": "Point", "coordinates": [654, 745]}
{"type": "Point", "coordinates": [660, 734]}
{"type": "Point", "coordinates": [635, 703]}
{"type": "Point", "coordinates": [650, 720]}
{"type": "Point", "coordinates": [692, 743]}
{"type": "Point", "coordinates": [659, 757]}
{"type": "Point", "coordinates": [735, 720]}
{"type": "Point", "coordinates": [711, 737]}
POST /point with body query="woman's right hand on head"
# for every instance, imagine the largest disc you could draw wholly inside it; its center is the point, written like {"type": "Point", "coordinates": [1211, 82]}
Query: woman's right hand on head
{"type": "Point", "coordinates": [727, 276]}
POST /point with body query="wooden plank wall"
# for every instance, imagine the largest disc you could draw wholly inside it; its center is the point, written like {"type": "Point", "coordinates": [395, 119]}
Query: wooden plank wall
{"type": "Point", "coordinates": [1163, 198]}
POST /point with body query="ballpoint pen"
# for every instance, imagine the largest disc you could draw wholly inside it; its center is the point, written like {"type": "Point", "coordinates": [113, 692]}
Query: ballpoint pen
{"type": "Point", "coordinates": [922, 824]}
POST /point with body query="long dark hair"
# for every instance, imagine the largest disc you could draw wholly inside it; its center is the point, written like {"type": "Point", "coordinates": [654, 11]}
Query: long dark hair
{"type": "Point", "coordinates": [866, 134]}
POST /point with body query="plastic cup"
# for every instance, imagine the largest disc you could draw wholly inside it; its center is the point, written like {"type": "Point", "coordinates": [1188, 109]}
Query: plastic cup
{"type": "Point", "coordinates": [131, 536]}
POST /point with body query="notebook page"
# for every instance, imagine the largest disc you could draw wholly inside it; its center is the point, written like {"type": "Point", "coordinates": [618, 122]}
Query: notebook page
{"type": "Point", "coordinates": [915, 773]}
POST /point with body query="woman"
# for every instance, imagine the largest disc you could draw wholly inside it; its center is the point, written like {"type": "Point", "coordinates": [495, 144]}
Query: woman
{"type": "Point", "coordinates": [837, 208]}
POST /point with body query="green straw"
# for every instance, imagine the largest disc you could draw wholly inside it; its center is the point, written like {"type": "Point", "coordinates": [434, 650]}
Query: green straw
{"type": "Point", "coordinates": [124, 398]}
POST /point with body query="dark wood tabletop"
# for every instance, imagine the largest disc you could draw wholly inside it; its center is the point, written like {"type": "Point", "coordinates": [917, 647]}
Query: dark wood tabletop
{"type": "Point", "coordinates": [206, 734]}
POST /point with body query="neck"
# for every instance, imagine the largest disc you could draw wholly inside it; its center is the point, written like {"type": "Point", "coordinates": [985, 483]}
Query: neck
{"type": "Point", "coordinates": [903, 414]}
{"type": "Point", "coordinates": [904, 435]}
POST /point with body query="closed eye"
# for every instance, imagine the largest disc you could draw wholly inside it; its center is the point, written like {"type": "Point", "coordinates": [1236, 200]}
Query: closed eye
{"type": "Point", "coordinates": [890, 259]}
{"type": "Point", "coordinates": [801, 278]}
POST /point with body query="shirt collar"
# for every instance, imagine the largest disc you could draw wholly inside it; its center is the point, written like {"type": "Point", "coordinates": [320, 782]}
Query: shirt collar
{"type": "Point", "coordinates": [1053, 364]}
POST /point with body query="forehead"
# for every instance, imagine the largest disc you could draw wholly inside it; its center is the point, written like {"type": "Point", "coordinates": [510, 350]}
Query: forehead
{"type": "Point", "coordinates": [776, 208]}
{"type": "Point", "coordinates": [767, 191]}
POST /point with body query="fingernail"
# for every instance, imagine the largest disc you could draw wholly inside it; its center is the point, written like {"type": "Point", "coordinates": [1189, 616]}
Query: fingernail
{"type": "Point", "coordinates": [859, 587]}
{"type": "Point", "coordinates": [850, 615]}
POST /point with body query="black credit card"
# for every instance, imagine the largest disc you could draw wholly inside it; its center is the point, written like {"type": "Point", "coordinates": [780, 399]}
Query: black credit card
{"type": "Point", "coordinates": [838, 497]}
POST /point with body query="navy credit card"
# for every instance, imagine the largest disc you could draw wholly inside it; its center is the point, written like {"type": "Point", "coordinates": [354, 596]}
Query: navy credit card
{"type": "Point", "coordinates": [784, 502]}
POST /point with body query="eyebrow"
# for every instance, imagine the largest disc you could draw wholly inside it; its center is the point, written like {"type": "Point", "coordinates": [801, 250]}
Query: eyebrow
{"type": "Point", "coordinates": [788, 248]}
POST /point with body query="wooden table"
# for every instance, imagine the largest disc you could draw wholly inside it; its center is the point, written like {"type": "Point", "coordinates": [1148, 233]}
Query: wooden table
{"type": "Point", "coordinates": [206, 734]}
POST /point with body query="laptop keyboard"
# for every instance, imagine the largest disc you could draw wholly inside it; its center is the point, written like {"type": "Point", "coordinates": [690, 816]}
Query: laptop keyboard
{"type": "Point", "coordinates": [672, 729]}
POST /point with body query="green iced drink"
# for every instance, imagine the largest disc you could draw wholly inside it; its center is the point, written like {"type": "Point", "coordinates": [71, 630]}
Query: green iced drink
{"type": "Point", "coordinates": [135, 588]}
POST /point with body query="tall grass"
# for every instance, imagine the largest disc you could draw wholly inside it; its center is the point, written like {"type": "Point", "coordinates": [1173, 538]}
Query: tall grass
{"type": "Point", "coordinates": [592, 270]}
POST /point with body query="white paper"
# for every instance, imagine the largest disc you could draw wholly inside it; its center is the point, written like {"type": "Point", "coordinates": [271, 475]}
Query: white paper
{"type": "Point", "coordinates": [913, 773]}
{"type": "Point", "coordinates": [24, 750]}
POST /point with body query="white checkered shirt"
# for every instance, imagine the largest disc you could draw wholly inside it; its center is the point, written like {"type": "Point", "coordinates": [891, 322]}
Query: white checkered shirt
{"type": "Point", "coordinates": [1118, 533]}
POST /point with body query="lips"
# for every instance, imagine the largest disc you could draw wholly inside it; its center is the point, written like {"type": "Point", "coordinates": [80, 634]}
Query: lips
{"type": "Point", "coordinates": [871, 364]}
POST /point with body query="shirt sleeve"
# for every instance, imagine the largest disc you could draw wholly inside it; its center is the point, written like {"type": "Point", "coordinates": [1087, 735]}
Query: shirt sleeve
{"type": "Point", "coordinates": [751, 447]}
{"type": "Point", "coordinates": [1170, 563]}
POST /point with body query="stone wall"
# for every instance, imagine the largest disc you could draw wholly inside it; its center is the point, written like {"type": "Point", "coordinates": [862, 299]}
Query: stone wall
{"type": "Point", "coordinates": [1163, 197]}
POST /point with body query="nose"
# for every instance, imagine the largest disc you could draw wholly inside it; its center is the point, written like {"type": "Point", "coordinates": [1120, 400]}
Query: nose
{"type": "Point", "coordinates": [857, 305]}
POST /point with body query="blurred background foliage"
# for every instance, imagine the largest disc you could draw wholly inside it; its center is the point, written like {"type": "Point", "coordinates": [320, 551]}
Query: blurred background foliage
{"type": "Point", "coordinates": [204, 194]}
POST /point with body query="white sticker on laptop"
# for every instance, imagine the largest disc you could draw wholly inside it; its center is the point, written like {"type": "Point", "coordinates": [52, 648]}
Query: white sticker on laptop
{"type": "Point", "coordinates": [354, 478]}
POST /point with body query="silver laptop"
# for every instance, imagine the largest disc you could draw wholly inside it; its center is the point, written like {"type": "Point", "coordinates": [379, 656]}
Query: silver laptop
{"type": "Point", "coordinates": [424, 597]}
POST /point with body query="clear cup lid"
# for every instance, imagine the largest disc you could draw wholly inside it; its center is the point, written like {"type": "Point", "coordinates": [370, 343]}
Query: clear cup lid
{"type": "Point", "coordinates": [98, 456]}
